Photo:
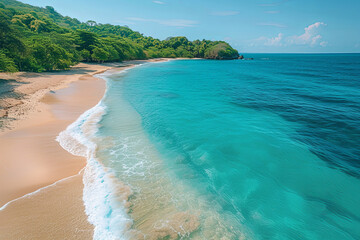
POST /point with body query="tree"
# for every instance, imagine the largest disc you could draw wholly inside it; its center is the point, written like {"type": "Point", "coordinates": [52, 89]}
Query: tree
{"type": "Point", "coordinates": [99, 55]}
{"type": "Point", "coordinates": [85, 55]}
{"type": "Point", "coordinates": [38, 26]}
{"type": "Point", "coordinates": [24, 19]}
{"type": "Point", "coordinates": [50, 9]}
{"type": "Point", "coordinates": [10, 44]}
{"type": "Point", "coordinates": [87, 40]}
{"type": "Point", "coordinates": [51, 56]}
{"type": "Point", "coordinates": [91, 23]}
{"type": "Point", "coordinates": [221, 50]}
{"type": "Point", "coordinates": [7, 64]}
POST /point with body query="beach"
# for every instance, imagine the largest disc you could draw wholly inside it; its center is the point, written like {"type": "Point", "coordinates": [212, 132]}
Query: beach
{"type": "Point", "coordinates": [32, 159]}
{"type": "Point", "coordinates": [39, 180]}
{"type": "Point", "coordinates": [180, 150]}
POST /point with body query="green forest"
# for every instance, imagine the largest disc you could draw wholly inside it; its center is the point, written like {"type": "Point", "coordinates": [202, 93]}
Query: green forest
{"type": "Point", "coordinates": [39, 39]}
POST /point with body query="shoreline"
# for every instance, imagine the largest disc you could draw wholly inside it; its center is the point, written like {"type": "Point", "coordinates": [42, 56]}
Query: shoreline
{"type": "Point", "coordinates": [40, 114]}
{"type": "Point", "coordinates": [51, 103]}
{"type": "Point", "coordinates": [14, 110]}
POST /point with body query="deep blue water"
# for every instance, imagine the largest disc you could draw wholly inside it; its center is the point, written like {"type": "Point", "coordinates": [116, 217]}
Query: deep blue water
{"type": "Point", "coordinates": [267, 148]}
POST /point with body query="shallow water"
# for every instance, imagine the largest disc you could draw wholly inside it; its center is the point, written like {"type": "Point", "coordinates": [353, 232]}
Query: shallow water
{"type": "Point", "coordinates": [201, 149]}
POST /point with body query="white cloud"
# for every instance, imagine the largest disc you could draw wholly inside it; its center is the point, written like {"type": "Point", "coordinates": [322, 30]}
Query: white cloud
{"type": "Point", "coordinates": [158, 2]}
{"type": "Point", "coordinates": [225, 13]}
{"type": "Point", "coordinates": [167, 22]}
{"type": "Point", "coordinates": [323, 43]}
{"type": "Point", "coordinates": [275, 41]}
{"type": "Point", "coordinates": [310, 36]}
{"type": "Point", "coordinates": [272, 25]}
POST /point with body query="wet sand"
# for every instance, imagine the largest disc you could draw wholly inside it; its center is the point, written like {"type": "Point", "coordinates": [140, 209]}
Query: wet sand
{"type": "Point", "coordinates": [56, 212]}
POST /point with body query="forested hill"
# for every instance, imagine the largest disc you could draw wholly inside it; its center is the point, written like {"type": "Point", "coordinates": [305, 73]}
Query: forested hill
{"type": "Point", "coordinates": [40, 39]}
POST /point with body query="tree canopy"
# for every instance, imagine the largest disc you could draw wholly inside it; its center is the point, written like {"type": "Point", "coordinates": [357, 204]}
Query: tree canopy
{"type": "Point", "coordinates": [40, 39]}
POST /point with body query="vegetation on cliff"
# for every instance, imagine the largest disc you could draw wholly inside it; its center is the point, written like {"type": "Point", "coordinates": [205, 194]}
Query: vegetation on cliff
{"type": "Point", "coordinates": [40, 39]}
{"type": "Point", "coordinates": [221, 51]}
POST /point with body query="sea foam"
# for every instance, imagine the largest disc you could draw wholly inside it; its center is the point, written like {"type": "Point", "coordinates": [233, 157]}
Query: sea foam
{"type": "Point", "coordinates": [105, 198]}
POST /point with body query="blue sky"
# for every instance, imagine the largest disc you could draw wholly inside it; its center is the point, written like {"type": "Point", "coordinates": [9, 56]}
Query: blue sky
{"type": "Point", "coordinates": [248, 25]}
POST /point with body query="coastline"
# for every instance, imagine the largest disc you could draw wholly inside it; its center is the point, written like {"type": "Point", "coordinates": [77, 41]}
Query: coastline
{"type": "Point", "coordinates": [36, 125]}
{"type": "Point", "coordinates": [36, 181]}
{"type": "Point", "coordinates": [43, 181]}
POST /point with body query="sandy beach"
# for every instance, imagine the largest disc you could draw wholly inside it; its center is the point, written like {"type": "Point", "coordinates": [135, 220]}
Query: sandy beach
{"type": "Point", "coordinates": [41, 183]}
{"type": "Point", "coordinates": [31, 158]}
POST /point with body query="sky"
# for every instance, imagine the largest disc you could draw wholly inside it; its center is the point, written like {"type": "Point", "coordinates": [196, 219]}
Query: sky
{"type": "Point", "coordinates": [262, 26]}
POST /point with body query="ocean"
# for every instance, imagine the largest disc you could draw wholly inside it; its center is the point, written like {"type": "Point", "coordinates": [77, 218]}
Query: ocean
{"type": "Point", "coordinates": [245, 149]}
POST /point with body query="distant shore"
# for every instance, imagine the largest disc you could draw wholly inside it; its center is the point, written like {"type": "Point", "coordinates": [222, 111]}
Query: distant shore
{"type": "Point", "coordinates": [39, 180]}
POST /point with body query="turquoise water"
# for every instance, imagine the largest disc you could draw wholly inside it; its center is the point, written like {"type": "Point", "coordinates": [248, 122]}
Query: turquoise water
{"type": "Point", "coordinates": [262, 149]}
